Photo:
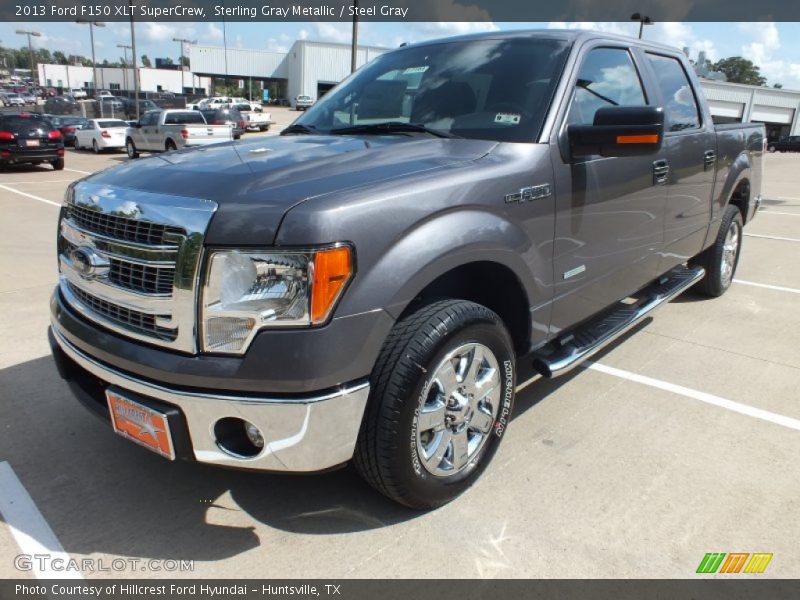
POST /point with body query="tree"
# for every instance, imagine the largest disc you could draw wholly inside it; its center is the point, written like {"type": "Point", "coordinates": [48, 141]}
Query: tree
{"type": "Point", "coordinates": [59, 58]}
{"type": "Point", "coordinates": [777, 86]}
{"type": "Point", "coordinates": [184, 61]}
{"type": "Point", "coordinates": [146, 61]}
{"type": "Point", "coordinates": [740, 70]}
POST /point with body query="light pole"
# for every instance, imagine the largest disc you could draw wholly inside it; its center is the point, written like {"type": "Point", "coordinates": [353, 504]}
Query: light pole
{"type": "Point", "coordinates": [182, 42]}
{"type": "Point", "coordinates": [92, 25]}
{"type": "Point", "coordinates": [643, 20]}
{"type": "Point", "coordinates": [354, 43]}
{"type": "Point", "coordinates": [125, 66]}
{"type": "Point", "coordinates": [135, 69]}
{"type": "Point", "coordinates": [30, 46]}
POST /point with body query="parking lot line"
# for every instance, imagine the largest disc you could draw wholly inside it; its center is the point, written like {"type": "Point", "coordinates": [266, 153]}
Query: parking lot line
{"type": "Point", "coordinates": [737, 407]}
{"type": "Point", "coordinates": [29, 528]}
{"type": "Point", "coordinates": [778, 288]}
{"type": "Point", "coordinates": [772, 237]}
{"type": "Point", "coordinates": [775, 212]}
{"type": "Point", "coordinates": [79, 171]}
{"type": "Point", "coordinates": [27, 195]}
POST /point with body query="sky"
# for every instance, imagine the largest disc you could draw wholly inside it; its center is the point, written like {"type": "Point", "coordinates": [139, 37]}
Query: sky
{"type": "Point", "coordinates": [774, 47]}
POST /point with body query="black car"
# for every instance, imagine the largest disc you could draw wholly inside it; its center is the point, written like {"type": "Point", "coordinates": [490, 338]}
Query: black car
{"type": "Point", "coordinates": [31, 139]}
{"type": "Point", "coordinates": [68, 126]}
{"type": "Point", "coordinates": [226, 116]}
{"type": "Point", "coordinates": [129, 107]}
{"type": "Point", "coordinates": [790, 143]}
{"type": "Point", "coordinates": [61, 105]}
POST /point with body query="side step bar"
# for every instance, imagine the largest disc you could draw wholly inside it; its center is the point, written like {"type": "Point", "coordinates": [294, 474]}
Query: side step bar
{"type": "Point", "coordinates": [566, 352]}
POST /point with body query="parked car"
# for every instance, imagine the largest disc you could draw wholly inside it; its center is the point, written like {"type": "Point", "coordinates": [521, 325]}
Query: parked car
{"type": "Point", "coordinates": [68, 126]}
{"type": "Point", "coordinates": [111, 106]}
{"type": "Point", "coordinates": [365, 287]}
{"type": "Point", "coordinates": [257, 121]}
{"type": "Point", "coordinates": [13, 99]}
{"type": "Point", "coordinates": [789, 143]}
{"type": "Point", "coordinates": [78, 93]}
{"type": "Point", "coordinates": [226, 116]}
{"type": "Point", "coordinates": [129, 107]}
{"type": "Point", "coordinates": [29, 97]}
{"type": "Point", "coordinates": [239, 101]}
{"type": "Point", "coordinates": [30, 139]}
{"type": "Point", "coordinates": [303, 102]}
{"type": "Point", "coordinates": [166, 130]}
{"type": "Point", "coordinates": [215, 102]}
{"type": "Point", "coordinates": [101, 134]}
{"type": "Point", "coordinates": [61, 105]}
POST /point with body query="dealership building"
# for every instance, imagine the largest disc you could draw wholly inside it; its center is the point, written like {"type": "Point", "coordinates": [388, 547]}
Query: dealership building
{"type": "Point", "coordinates": [312, 68]}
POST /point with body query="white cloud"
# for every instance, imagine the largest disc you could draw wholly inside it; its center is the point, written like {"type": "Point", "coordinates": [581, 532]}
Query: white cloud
{"type": "Point", "coordinates": [762, 47]}
{"type": "Point", "coordinates": [214, 33]}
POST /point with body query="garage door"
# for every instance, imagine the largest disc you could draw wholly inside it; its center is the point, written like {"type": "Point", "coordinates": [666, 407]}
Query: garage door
{"type": "Point", "coordinates": [772, 114]}
{"type": "Point", "coordinates": [723, 108]}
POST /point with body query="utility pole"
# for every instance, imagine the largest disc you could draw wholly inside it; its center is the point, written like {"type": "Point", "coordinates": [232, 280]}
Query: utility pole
{"type": "Point", "coordinates": [182, 42]}
{"type": "Point", "coordinates": [30, 48]}
{"type": "Point", "coordinates": [125, 66]}
{"type": "Point", "coordinates": [92, 25]}
{"type": "Point", "coordinates": [135, 69]}
{"type": "Point", "coordinates": [354, 45]}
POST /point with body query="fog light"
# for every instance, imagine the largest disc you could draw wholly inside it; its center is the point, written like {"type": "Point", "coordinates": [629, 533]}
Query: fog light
{"type": "Point", "coordinates": [254, 435]}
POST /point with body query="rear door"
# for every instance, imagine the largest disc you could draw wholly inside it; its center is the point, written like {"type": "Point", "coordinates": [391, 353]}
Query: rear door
{"type": "Point", "coordinates": [609, 227]}
{"type": "Point", "coordinates": [690, 144]}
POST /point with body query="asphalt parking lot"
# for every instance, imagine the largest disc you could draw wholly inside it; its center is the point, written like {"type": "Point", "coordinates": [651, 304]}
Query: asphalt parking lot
{"type": "Point", "coordinates": [681, 439]}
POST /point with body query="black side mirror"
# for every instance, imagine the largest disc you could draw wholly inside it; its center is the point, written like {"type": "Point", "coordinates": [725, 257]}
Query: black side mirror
{"type": "Point", "coordinates": [619, 131]}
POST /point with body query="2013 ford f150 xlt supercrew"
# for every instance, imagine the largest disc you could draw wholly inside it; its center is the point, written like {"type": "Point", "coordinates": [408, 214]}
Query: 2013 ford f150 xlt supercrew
{"type": "Point", "coordinates": [366, 286]}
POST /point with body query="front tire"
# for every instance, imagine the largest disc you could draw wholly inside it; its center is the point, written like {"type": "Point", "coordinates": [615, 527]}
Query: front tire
{"type": "Point", "coordinates": [442, 392]}
{"type": "Point", "coordinates": [722, 257]}
{"type": "Point", "coordinates": [130, 149]}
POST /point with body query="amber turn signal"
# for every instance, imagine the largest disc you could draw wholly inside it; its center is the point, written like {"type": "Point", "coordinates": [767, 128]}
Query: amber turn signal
{"type": "Point", "coordinates": [332, 270]}
{"type": "Point", "coordinates": [637, 139]}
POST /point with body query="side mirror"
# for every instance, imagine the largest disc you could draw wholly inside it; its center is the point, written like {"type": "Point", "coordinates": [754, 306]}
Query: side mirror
{"type": "Point", "coordinates": [619, 131]}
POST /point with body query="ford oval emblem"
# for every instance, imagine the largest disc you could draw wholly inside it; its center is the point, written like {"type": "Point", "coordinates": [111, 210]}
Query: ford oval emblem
{"type": "Point", "coordinates": [88, 263]}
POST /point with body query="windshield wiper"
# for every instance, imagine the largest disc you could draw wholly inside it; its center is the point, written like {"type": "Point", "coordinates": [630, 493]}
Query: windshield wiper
{"type": "Point", "coordinates": [300, 128]}
{"type": "Point", "coordinates": [392, 127]}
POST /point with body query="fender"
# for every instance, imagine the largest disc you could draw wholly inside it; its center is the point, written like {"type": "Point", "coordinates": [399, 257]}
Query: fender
{"type": "Point", "coordinates": [739, 170]}
{"type": "Point", "coordinates": [442, 243]}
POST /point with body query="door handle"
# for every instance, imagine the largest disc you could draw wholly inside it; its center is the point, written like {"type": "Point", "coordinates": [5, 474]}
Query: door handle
{"type": "Point", "coordinates": [709, 158]}
{"type": "Point", "coordinates": [660, 171]}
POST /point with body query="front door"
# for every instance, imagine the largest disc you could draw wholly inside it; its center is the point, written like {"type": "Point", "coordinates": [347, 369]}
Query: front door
{"type": "Point", "coordinates": [609, 225]}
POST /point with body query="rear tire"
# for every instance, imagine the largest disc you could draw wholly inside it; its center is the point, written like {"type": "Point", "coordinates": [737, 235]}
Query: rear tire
{"type": "Point", "coordinates": [170, 146]}
{"type": "Point", "coordinates": [58, 164]}
{"type": "Point", "coordinates": [95, 147]}
{"type": "Point", "coordinates": [722, 257]}
{"type": "Point", "coordinates": [441, 395]}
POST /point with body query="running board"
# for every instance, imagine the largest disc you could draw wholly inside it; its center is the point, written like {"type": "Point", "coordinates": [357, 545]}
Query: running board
{"type": "Point", "coordinates": [568, 351]}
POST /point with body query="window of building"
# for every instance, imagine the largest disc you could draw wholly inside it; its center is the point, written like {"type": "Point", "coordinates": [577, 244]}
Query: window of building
{"type": "Point", "coordinates": [114, 86]}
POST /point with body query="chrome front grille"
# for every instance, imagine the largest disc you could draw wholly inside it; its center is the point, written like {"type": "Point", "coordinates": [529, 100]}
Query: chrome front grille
{"type": "Point", "coordinates": [120, 228]}
{"type": "Point", "coordinates": [130, 260]}
{"type": "Point", "coordinates": [135, 320]}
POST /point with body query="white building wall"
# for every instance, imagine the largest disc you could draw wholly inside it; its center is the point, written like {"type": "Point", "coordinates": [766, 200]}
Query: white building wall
{"type": "Point", "coordinates": [750, 102]}
{"type": "Point", "coordinates": [149, 79]}
{"type": "Point", "coordinates": [239, 62]}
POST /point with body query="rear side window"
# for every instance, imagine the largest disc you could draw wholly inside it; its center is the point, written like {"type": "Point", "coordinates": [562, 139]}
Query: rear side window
{"type": "Point", "coordinates": [607, 77]}
{"type": "Point", "coordinates": [183, 118]}
{"type": "Point", "coordinates": [680, 105]}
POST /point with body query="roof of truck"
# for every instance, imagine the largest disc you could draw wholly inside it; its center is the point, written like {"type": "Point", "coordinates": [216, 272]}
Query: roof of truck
{"type": "Point", "coordinates": [571, 35]}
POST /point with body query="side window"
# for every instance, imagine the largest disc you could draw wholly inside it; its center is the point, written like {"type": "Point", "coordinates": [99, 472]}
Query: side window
{"type": "Point", "coordinates": [680, 105]}
{"type": "Point", "coordinates": [607, 77]}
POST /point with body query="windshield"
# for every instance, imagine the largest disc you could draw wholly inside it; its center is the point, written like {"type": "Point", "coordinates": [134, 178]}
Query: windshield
{"type": "Point", "coordinates": [488, 89]}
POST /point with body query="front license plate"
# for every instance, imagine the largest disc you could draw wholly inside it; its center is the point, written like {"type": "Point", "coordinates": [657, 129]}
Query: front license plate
{"type": "Point", "coordinates": [31, 143]}
{"type": "Point", "coordinates": [140, 424]}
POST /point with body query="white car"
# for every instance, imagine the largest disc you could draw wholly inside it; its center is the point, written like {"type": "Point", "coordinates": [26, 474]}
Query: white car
{"type": "Point", "coordinates": [102, 134]}
{"type": "Point", "coordinates": [77, 93]}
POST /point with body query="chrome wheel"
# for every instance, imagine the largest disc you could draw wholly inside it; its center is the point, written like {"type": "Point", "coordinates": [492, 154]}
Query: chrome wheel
{"type": "Point", "coordinates": [457, 409]}
{"type": "Point", "coordinates": [730, 252]}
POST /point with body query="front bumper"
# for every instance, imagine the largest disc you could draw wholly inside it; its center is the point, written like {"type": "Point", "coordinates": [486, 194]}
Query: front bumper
{"type": "Point", "coordinates": [304, 434]}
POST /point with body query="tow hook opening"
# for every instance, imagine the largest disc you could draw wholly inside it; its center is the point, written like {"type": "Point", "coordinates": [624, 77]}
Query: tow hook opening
{"type": "Point", "coordinates": [238, 438]}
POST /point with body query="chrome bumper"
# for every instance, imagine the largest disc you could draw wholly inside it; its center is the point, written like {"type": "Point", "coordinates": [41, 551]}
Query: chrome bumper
{"type": "Point", "coordinates": [306, 434]}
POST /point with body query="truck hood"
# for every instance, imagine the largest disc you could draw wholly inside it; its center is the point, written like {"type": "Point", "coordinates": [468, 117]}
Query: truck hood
{"type": "Point", "coordinates": [255, 182]}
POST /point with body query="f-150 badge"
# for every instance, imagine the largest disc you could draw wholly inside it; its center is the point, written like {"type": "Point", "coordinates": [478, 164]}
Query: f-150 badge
{"type": "Point", "coordinates": [530, 193]}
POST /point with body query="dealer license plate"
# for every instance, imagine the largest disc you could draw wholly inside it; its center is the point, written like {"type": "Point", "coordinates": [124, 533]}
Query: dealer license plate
{"type": "Point", "coordinates": [140, 424]}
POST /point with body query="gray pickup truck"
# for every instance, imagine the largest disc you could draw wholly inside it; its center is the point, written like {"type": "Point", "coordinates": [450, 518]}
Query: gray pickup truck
{"type": "Point", "coordinates": [370, 286]}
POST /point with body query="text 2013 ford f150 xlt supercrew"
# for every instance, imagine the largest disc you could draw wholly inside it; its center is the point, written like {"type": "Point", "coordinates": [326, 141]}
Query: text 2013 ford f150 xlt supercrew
{"type": "Point", "coordinates": [366, 286]}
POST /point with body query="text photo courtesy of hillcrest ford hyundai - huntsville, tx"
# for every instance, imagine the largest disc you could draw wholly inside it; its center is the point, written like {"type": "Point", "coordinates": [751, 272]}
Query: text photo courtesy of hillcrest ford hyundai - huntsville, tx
{"type": "Point", "coordinates": [289, 298]}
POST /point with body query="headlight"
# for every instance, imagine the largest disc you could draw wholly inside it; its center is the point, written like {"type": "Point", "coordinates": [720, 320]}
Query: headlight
{"type": "Point", "coordinates": [246, 291]}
